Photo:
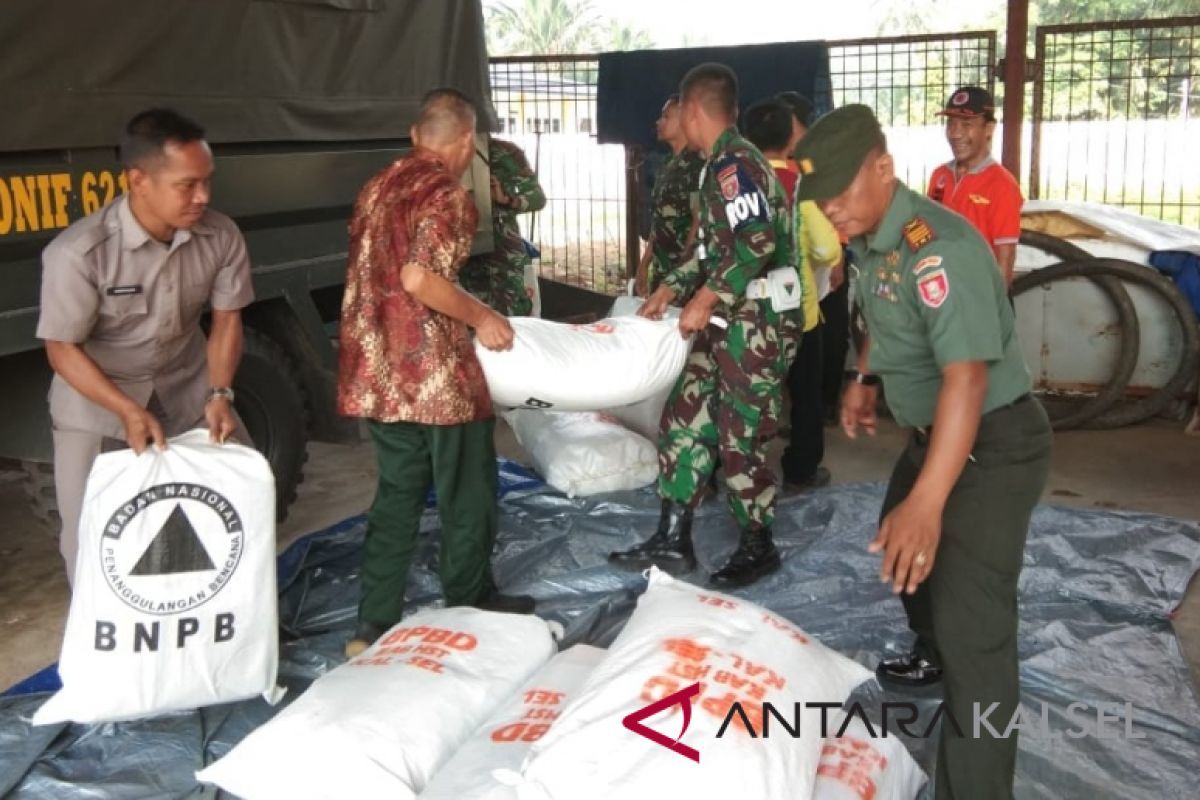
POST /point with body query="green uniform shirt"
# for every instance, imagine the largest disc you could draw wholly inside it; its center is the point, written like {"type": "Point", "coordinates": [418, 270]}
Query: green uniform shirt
{"type": "Point", "coordinates": [675, 206]}
{"type": "Point", "coordinates": [932, 295]}
{"type": "Point", "coordinates": [510, 167]}
{"type": "Point", "coordinates": [745, 229]}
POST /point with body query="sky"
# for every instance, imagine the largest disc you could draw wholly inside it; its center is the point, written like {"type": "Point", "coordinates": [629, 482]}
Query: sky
{"type": "Point", "coordinates": [726, 22]}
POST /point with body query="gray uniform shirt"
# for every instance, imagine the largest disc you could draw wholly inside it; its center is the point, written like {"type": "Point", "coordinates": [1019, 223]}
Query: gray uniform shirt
{"type": "Point", "coordinates": [134, 304]}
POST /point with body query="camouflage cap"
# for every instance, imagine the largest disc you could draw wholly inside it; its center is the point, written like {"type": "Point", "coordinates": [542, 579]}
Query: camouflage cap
{"type": "Point", "coordinates": [831, 153]}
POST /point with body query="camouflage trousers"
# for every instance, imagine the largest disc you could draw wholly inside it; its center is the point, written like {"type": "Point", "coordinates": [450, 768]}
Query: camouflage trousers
{"type": "Point", "coordinates": [727, 402]}
{"type": "Point", "coordinates": [498, 281]}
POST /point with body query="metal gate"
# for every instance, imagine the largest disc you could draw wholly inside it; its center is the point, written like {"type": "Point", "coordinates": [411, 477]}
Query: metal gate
{"type": "Point", "coordinates": [906, 80]}
{"type": "Point", "coordinates": [547, 105]}
{"type": "Point", "coordinates": [1115, 107]}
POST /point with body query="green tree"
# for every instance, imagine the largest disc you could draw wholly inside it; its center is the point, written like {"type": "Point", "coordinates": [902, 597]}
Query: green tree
{"type": "Point", "coordinates": [1049, 12]}
{"type": "Point", "coordinates": [557, 27]}
{"type": "Point", "coordinates": [623, 36]}
{"type": "Point", "coordinates": [541, 27]}
{"type": "Point", "coordinates": [1147, 72]}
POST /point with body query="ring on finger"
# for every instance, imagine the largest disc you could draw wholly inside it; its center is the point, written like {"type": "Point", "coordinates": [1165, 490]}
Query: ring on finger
{"type": "Point", "coordinates": [920, 559]}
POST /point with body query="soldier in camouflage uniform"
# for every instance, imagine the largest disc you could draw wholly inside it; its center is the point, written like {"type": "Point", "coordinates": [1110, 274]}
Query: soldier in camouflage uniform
{"type": "Point", "coordinates": [672, 231]}
{"type": "Point", "coordinates": [729, 395]}
{"type": "Point", "coordinates": [498, 278]}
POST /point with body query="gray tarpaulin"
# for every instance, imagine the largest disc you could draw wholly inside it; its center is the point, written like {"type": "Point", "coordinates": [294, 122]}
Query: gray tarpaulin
{"type": "Point", "coordinates": [1096, 594]}
{"type": "Point", "coordinates": [74, 71]}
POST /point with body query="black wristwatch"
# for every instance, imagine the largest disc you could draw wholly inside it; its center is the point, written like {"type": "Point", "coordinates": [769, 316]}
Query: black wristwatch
{"type": "Point", "coordinates": [865, 378]}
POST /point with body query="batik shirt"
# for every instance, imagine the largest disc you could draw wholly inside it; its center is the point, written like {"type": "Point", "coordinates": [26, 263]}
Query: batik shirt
{"type": "Point", "coordinates": [399, 360]}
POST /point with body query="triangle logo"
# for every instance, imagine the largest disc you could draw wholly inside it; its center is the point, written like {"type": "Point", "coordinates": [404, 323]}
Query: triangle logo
{"type": "Point", "coordinates": [175, 549]}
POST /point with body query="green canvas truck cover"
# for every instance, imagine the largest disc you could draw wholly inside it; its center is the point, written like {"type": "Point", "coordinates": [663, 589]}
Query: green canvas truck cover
{"type": "Point", "coordinates": [74, 71]}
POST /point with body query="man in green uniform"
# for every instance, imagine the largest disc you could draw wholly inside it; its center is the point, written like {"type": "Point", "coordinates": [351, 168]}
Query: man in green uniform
{"type": "Point", "coordinates": [728, 398]}
{"type": "Point", "coordinates": [498, 278]}
{"type": "Point", "coordinates": [673, 228]}
{"type": "Point", "coordinates": [956, 514]}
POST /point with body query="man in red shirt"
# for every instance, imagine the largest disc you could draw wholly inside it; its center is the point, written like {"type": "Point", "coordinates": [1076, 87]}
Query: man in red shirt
{"type": "Point", "coordinates": [407, 365]}
{"type": "Point", "coordinates": [974, 184]}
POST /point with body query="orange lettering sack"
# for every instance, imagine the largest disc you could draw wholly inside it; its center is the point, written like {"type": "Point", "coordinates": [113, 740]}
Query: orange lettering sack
{"type": "Point", "coordinates": [626, 734]}
{"type": "Point", "coordinates": [860, 766]}
{"type": "Point", "coordinates": [506, 737]}
{"type": "Point", "coordinates": [381, 724]}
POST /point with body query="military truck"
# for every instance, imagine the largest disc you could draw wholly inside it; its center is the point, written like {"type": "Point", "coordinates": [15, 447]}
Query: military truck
{"type": "Point", "coordinates": [302, 101]}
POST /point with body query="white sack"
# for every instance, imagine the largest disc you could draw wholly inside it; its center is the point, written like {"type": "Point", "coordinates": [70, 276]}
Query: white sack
{"type": "Point", "coordinates": [504, 740]}
{"type": "Point", "coordinates": [533, 289]}
{"type": "Point", "coordinates": [174, 604]}
{"type": "Point", "coordinates": [856, 765]}
{"type": "Point", "coordinates": [680, 636]}
{"type": "Point", "coordinates": [381, 724]}
{"type": "Point", "coordinates": [1122, 225]}
{"type": "Point", "coordinates": [642, 417]}
{"type": "Point", "coordinates": [582, 453]}
{"type": "Point", "coordinates": [613, 362]}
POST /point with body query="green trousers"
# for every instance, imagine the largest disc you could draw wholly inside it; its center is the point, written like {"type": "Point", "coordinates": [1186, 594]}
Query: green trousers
{"type": "Point", "coordinates": [460, 462]}
{"type": "Point", "coordinates": [965, 613]}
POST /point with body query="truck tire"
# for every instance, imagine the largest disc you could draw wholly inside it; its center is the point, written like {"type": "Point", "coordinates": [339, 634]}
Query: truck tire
{"type": "Point", "coordinates": [1081, 414]}
{"type": "Point", "coordinates": [269, 397]}
{"type": "Point", "coordinates": [1134, 411]}
{"type": "Point", "coordinates": [39, 489]}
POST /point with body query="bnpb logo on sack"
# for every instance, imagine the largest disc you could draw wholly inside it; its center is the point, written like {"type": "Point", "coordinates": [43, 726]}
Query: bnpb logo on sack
{"type": "Point", "coordinates": [167, 552]}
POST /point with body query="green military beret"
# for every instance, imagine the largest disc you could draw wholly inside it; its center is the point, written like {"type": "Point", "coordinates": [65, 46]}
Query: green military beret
{"type": "Point", "coordinates": [830, 154]}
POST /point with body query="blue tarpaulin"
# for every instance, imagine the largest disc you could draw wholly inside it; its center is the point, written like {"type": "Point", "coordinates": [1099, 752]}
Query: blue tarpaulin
{"type": "Point", "coordinates": [1097, 593]}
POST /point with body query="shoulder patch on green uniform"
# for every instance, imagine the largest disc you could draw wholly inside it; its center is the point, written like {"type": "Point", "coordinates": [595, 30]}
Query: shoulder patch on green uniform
{"type": "Point", "coordinates": [926, 263]}
{"type": "Point", "coordinates": [745, 201]}
{"type": "Point", "coordinates": [918, 233]}
{"type": "Point", "coordinates": [934, 288]}
{"type": "Point", "coordinates": [728, 178]}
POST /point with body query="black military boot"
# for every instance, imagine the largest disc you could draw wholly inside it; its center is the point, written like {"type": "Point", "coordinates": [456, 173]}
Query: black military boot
{"type": "Point", "coordinates": [669, 549]}
{"type": "Point", "coordinates": [911, 669]}
{"type": "Point", "coordinates": [755, 557]}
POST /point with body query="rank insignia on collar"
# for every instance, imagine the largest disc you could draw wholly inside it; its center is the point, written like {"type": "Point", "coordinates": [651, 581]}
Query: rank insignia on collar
{"type": "Point", "coordinates": [918, 233]}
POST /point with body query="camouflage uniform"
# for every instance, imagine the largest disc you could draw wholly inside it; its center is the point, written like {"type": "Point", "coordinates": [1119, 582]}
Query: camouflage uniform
{"type": "Point", "coordinates": [729, 395]}
{"type": "Point", "coordinates": [675, 207]}
{"type": "Point", "coordinates": [498, 278]}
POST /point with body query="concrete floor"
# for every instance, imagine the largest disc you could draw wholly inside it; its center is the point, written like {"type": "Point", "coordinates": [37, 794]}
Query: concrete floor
{"type": "Point", "coordinates": [1151, 467]}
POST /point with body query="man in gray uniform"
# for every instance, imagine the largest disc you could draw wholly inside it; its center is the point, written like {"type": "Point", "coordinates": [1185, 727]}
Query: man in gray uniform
{"type": "Point", "coordinates": [123, 290]}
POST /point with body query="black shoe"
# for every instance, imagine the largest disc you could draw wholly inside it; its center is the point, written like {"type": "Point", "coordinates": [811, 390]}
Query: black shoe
{"type": "Point", "coordinates": [755, 557]}
{"type": "Point", "coordinates": [364, 636]}
{"type": "Point", "coordinates": [817, 480]}
{"type": "Point", "coordinates": [507, 603]}
{"type": "Point", "coordinates": [908, 670]}
{"type": "Point", "coordinates": [669, 549]}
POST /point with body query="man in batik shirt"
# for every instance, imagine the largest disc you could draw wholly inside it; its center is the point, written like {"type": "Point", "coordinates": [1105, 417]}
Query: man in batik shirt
{"type": "Point", "coordinates": [408, 366]}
